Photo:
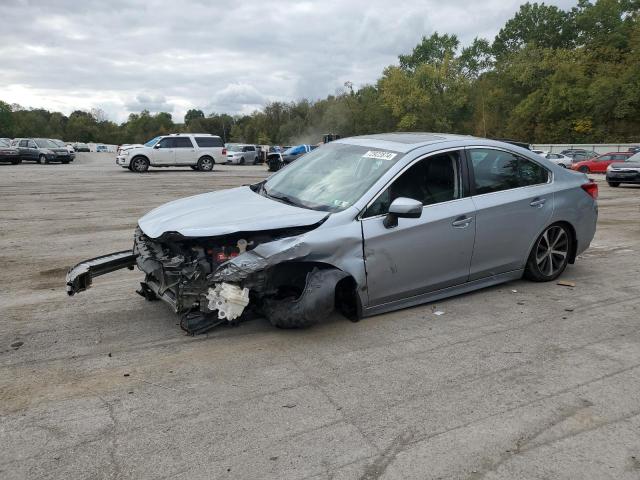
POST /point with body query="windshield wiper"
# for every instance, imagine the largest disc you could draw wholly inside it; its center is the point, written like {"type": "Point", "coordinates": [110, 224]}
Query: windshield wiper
{"type": "Point", "coordinates": [283, 198]}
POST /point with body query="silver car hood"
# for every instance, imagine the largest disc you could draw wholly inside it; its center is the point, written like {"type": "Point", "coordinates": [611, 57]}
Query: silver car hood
{"type": "Point", "coordinates": [224, 212]}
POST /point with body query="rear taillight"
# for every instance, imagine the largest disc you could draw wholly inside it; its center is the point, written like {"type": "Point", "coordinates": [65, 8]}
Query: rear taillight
{"type": "Point", "coordinates": [224, 151]}
{"type": "Point", "coordinates": [591, 188]}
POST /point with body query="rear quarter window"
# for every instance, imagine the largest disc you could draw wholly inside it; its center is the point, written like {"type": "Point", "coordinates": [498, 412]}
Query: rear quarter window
{"type": "Point", "coordinates": [209, 142]}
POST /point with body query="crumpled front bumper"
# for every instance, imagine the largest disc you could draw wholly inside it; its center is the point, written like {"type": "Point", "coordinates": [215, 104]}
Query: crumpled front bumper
{"type": "Point", "coordinates": [79, 278]}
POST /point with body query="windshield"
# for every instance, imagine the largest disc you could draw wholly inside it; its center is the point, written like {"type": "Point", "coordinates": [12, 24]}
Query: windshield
{"type": "Point", "coordinates": [59, 143]}
{"type": "Point", "coordinates": [45, 143]}
{"type": "Point", "coordinates": [152, 142]}
{"type": "Point", "coordinates": [634, 158]}
{"type": "Point", "coordinates": [332, 177]}
{"type": "Point", "coordinates": [235, 148]}
{"type": "Point", "coordinates": [4, 143]}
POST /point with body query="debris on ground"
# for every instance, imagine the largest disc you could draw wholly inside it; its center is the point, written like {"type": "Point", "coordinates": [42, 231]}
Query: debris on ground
{"type": "Point", "coordinates": [289, 405]}
{"type": "Point", "coordinates": [566, 283]}
{"type": "Point", "coordinates": [16, 345]}
{"type": "Point", "coordinates": [438, 312]}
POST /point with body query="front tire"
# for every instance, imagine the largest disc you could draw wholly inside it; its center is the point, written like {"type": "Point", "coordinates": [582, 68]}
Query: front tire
{"type": "Point", "coordinates": [16, 162]}
{"type": "Point", "coordinates": [614, 184]}
{"type": "Point", "coordinates": [242, 161]}
{"type": "Point", "coordinates": [550, 254]}
{"type": "Point", "coordinates": [139, 164]}
{"type": "Point", "coordinates": [42, 160]}
{"type": "Point", "coordinates": [584, 169]}
{"type": "Point", "coordinates": [205, 164]}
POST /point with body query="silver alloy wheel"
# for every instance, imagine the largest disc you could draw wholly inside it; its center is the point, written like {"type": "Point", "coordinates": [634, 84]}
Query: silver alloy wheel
{"type": "Point", "coordinates": [552, 250]}
{"type": "Point", "coordinates": [42, 160]}
{"type": "Point", "coordinates": [139, 164]}
{"type": "Point", "coordinates": [206, 164]}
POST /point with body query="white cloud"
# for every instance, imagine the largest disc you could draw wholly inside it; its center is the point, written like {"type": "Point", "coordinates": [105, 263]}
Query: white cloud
{"type": "Point", "coordinates": [231, 57]}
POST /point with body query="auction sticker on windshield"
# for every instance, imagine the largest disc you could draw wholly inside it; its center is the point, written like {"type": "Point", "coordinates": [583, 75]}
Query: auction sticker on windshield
{"type": "Point", "coordinates": [379, 154]}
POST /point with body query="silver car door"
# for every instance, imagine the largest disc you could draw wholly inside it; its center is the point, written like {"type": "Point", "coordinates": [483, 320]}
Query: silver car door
{"type": "Point", "coordinates": [423, 254]}
{"type": "Point", "coordinates": [513, 198]}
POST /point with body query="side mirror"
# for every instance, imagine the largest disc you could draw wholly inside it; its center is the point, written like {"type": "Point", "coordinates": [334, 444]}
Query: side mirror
{"type": "Point", "coordinates": [157, 145]}
{"type": "Point", "coordinates": [402, 207]}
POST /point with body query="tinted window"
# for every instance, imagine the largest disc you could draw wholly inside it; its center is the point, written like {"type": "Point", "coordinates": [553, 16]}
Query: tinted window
{"type": "Point", "coordinates": [432, 180]}
{"type": "Point", "coordinates": [605, 157]}
{"type": "Point", "coordinates": [204, 142]}
{"type": "Point", "coordinates": [182, 142]}
{"type": "Point", "coordinates": [496, 170]}
{"type": "Point", "coordinates": [166, 143]}
{"type": "Point", "coordinates": [31, 144]}
{"type": "Point", "coordinates": [23, 143]}
{"type": "Point", "coordinates": [620, 157]}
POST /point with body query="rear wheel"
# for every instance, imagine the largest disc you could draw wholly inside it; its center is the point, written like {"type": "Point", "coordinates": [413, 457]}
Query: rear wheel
{"type": "Point", "coordinates": [614, 184]}
{"type": "Point", "coordinates": [205, 164]}
{"type": "Point", "coordinates": [42, 160]}
{"type": "Point", "coordinates": [549, 255]}
{"type": "Point", "coordinates": [139, 164]}
{"type": "Point", "coordinates": [242, 161]}
{"type": "Point", "coordinates": [16, 162]}
{"type": "Point", "coordinates": [584, 169]}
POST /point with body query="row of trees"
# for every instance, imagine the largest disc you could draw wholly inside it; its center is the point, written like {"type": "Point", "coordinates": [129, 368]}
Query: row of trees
{"type": "Point", "coordinates": [550, 75]}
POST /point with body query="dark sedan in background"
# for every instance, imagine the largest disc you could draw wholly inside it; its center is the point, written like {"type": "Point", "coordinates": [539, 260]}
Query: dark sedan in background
{"type": "Point", "coordinates": [627, 171]}
{"type": "Point", "coordinates": [9, 153]}
{"type": "Point", "coordinates": [42, 150]}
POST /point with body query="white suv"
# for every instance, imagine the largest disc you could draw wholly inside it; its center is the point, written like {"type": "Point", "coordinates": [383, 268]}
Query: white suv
{"type": "Point", "coordinates": [200, 151]}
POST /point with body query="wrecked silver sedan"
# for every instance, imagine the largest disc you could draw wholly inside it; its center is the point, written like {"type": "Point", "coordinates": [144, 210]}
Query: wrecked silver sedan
{"type": "Point", "coordinates": [365, 225]}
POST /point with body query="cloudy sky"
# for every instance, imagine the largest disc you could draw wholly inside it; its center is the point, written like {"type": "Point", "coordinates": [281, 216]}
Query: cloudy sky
{"type": "Point", "coordinates": [223, 56]}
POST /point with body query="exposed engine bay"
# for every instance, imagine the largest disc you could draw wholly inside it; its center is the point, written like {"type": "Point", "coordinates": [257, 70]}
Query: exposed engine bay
{"type": "Point", "coordinates": [211, 281]}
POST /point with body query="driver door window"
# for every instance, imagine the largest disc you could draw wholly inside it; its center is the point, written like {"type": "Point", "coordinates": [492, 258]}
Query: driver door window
{"type": "Point", "coordinates": [432, 180]}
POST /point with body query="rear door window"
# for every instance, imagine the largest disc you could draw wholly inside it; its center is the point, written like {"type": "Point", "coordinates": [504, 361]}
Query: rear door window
{"type": "Point", "coordinates": [497, 170]}
{"type": "Point", "coordinates": [182, 142]}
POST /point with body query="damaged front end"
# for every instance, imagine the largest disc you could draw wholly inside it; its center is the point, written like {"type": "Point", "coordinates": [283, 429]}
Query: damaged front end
{"type": "Point", "coordinates": [222, 279]}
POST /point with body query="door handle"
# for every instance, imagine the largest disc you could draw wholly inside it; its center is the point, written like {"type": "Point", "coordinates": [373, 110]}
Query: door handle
{"type": "Point", "coordinates": [538, 202]}
{"type": "Point", "coordinates": [462, 222]}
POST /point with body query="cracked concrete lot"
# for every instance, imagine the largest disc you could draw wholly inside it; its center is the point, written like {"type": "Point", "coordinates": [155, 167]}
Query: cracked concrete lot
{"type": "Point", "coordinates": [524, 380]}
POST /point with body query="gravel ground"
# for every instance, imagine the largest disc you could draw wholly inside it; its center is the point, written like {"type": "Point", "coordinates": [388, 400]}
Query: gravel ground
{"type": "Point", "coordinates": [521, 380]}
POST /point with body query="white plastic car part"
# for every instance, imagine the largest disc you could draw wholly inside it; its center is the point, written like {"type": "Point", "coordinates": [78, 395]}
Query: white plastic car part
{"type": "Point", "coordinates": [228, 299]}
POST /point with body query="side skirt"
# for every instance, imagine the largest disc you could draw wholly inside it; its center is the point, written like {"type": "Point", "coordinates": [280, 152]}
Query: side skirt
{"type": "Point", "coordinates": [443, 293]}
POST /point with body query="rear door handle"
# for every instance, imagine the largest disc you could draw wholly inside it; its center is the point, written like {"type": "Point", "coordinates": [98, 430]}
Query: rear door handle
{"type": "Point", "coordinates": [462, 222]}
{"type": "Point", "coordinates": [538, 202]}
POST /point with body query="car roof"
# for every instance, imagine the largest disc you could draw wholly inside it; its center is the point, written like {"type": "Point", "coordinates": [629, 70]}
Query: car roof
{"type": "Point", "coordinates": [407, 141]}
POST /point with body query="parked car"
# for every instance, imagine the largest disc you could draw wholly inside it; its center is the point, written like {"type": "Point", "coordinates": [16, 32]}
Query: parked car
{"type": "Point", "coordinates": [42, 150]}
{"type": "Point", "coordinates": [81, 147]}
{"type": "Point", "coordinates": [579, 153]}
{"type": "Point", "coordinates": [368, 224]}
{"type": "Point", "coordinates": [539, 152]}
{"type": "Point", "coordinates": [102, 148]}
{"type": "Point", "coordinates": [634, 149]}
{"type": "Point", "coordinates": [559, 159]}
{"type": "Point", "coordinates": [600, 163]}
{"type": "Point", "coordinates": [278, 160]}
{"type": "Point", "coordinates": [9, 153]}
{"type": "Point", "coordinates": [242, 153]}
{"type": "Point", "coordinates": [61, 144]}
{"type": "Point", "coordinates": [624, 172]}
{"type": "Point", "coordinates": [200, 151]}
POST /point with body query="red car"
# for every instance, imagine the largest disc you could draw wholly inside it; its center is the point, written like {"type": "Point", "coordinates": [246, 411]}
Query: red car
{"type": "Point", "coordinates": [600, 163]}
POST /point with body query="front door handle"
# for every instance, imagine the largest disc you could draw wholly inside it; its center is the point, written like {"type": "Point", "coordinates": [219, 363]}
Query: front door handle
{"type": "Point", "coordinates": [538, 202]}
{"type": "Point", "coordinates": [462, 222]}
